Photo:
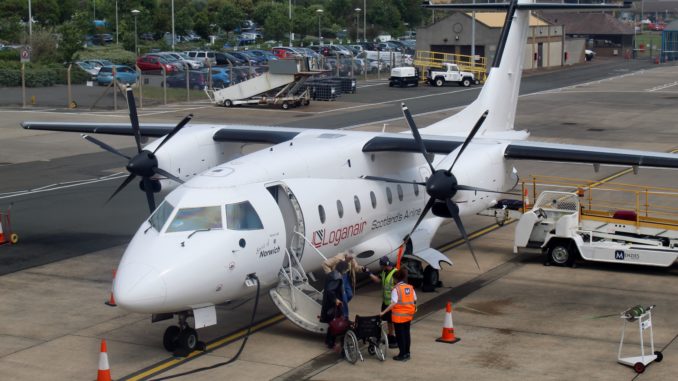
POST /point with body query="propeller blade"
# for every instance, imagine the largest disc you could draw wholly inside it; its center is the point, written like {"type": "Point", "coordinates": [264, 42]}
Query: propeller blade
{"type": "Point", "coordinates": [415, 133]}
{"type": "Point", "coordinates": [428, 207]}
{"type": "Point", "coordinates": [470, 137]}
{"type": "Point", "coordinates": [454, 211]}
{"type": "Point", "coordinates": [470, 188]}
{"type": "Point", "coordinates": [122, 186]}
{"type": "Point", "coordinates": [174, 131]}
{"type": "Point", "coordinates": [134, 118]}
{"type": "Point", "coordinates": [389, 180]}
{"type": "Point", "coordinates": [105, 146]}
{"type": "Point", "coordinates": [168, 175]}
{"type": "Point", "coordinates": [150, 198]}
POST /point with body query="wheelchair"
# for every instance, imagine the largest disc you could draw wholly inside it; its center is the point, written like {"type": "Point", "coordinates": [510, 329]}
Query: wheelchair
{"type": "Point", "coordinates": [366, 330]}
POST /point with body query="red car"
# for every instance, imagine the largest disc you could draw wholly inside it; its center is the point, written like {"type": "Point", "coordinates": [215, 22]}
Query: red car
{"type": "Point", "coordinates": [285, 52]}
{"type": "Point", "coordinates": [150, 62]}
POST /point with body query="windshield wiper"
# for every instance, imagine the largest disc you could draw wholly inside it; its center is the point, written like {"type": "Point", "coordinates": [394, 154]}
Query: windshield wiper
{"type": "Point", "coordinates": [197, 231]}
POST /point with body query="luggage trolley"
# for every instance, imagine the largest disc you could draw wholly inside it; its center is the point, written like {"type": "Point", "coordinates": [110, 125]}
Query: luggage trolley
{"type": "Point", "coordinates": [644, 317]}
{"type": "Point", "coordinates": [6, 233]}
{"type": "Point", "coordinates": [369, 330]}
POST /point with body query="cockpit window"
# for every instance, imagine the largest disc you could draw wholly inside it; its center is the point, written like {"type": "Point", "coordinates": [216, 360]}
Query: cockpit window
{"type": "Point", "coordinates": [191, 219]}
{"type": "Point", "coordinates": [242, 216]}
{"type": "Point", "coordinates": [161, 215]}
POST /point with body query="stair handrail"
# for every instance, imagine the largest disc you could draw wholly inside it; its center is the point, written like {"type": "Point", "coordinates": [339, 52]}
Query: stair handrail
{"type": "Point", "coordinates": [310, 244]}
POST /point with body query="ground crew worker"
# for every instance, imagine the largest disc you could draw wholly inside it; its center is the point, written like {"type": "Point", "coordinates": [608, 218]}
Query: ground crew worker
{"type": "Point", "coordinates": [386, 280]}
{"type": "Point", "coordinates": [403, 306]}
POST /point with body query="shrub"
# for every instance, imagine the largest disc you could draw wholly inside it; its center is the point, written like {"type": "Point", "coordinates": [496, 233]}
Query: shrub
{"type": "Point", "coordinates": [113, 54]}
{"type": "Point", "coordinates": [9, 55]}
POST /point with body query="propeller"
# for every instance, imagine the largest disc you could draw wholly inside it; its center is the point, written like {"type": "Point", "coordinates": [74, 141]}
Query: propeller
{"type": "Point", "coordinates": [442, 185]}
{"type": "Point", "coordinates": [144, 164]}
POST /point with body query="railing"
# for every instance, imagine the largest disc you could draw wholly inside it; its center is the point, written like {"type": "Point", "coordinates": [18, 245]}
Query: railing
{"type": "Point", "coordinates": [429, 59]}
{"type": "Point", "coordinates": [311, 245]}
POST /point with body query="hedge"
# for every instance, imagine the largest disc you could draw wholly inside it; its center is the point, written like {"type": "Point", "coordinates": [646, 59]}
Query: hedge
{"type": "Point", "coordinates": [115, 55]}
{"type": "Point", "coordinates": [42, 76]}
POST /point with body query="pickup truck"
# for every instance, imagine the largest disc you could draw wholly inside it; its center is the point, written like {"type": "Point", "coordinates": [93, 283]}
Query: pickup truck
{"type": "Point", "coordinates": [450, 73]}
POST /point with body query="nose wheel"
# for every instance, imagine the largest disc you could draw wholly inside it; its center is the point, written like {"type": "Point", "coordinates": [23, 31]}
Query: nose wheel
{"type": "Point", "coordinates": [181, 340]}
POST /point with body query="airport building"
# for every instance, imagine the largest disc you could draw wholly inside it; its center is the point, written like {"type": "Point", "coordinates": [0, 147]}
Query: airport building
{"type": "Point", "coordinates": [546, 44]}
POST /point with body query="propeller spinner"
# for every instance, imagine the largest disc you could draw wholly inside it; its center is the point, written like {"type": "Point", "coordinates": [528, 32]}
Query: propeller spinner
{"type": "Point", "coordinates": [144, 164]}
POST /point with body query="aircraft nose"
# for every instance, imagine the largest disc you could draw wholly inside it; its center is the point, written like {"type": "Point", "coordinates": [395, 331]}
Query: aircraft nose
{"type": "Point", "coordinates": [139, 288]}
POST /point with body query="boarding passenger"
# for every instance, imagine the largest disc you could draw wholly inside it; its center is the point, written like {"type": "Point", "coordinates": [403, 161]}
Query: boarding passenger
{"type": "Point", "coordinates": [386, 279]}
{"type": "Point", "coordinates": [333, 300]}
{"type": "Point", "coordinates": [349, 277]}
{"type": "Point", "coordinates": [403, 306]}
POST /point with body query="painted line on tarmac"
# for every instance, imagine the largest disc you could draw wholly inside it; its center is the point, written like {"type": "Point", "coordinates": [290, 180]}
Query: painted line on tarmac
{"type": "Point", "coordinates": [662, 87]}
{"type": "Point", "coordinates": [64, 185]}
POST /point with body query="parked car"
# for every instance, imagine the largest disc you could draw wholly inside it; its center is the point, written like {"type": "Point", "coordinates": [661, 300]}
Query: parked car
{"type": "Point", "coordinates": [88, 67]}
{"type": "Point", "coordinates": [258, 59]}
{"type": "Point", "coordinates": [151, 62]}
{"type": "Point", "coordinates": [247, 38]}
{"type": "Point", "coordinates": [265, 55]}
{"type": "Point", "coordinates": [123, 74]}
{"type": "Point", "coordinates": [147, 36]}
{"type": "Point", "coordinates": [308, 52]}
{"type": "Point", "coordinates": [183, 59]}
{"type": "Point", "coordinates": [98, 63]}
{"type": "Point", "coordinates": [202, 56]}
{"type": "Point", "coordinates": [220, 77]}
{"type": "Point", "coordinates": [286, 52]}
{"type": "Point", "coordinates": [196, 79]}
{"type": "Point", "coordinates": [245, 58]}
{"type": "Point", "coordinates": [228, 59]}
{"type": "Point", "coordinates": [102, 39]}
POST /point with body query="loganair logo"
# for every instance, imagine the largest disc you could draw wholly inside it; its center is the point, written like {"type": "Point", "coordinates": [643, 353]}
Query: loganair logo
{"type": "Point", "coordinates": [334, 237]}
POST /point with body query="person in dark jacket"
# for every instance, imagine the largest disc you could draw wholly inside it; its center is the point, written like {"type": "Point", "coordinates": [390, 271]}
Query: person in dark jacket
{"type": "Point", "coordinates": [333, 296]}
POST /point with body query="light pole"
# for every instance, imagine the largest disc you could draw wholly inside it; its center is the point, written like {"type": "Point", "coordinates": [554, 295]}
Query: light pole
{"type": "Point", "coordinates": [30, 20]}
{"type": "Point", "coordinates": [291, 34]}
{"type": "Point", "coordinates": [364, 20]}
{"type": "Point", "coordinates": [116, 22]}
{"type": "Point", "coordinates": [173, 39]}
{"type": "Point", "coordinates": [357, 17]}
{"type": "Point", "coordinates": [135, 12]}
{"type": "Point", "coordinates": [319, 12]}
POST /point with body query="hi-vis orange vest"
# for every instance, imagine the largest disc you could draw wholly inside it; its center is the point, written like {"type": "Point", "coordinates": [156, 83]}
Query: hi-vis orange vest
{"type": "Point", "coordinates": [405, 308]}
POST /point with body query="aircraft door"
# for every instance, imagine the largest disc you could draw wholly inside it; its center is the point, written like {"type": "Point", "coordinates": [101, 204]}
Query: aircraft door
{"type": "Point", "coordinates": [292, 216]}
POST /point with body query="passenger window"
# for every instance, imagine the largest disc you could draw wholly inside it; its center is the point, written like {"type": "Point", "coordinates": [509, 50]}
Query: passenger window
{"type": "Point", "coordinates": [400, 192]}
{"type": "Point", "coordinates": [242, 216]}
{"type": "Point", "coordinates": [389, 195]}
{"type": "Point", "coordinates": [340, 209]}
{"type": "Point", "coordinates": [161, 215]}
{"type": "Point", "coordinates": [416, 189]}
{"type": "Point", "coordinates": [321, 213]}
{"type": "Point", "coordinates": [356, 200]}
{"type": "Point", "coordinates": [191, 219]}
{"type": "Point", "coordinates": [373, 198]}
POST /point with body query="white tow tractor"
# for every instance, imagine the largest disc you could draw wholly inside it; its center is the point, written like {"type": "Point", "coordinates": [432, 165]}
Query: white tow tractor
{"type": "Point", "coordinates": [561, 229]}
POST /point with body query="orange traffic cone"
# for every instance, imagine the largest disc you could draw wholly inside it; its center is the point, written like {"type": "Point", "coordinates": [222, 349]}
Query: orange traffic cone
{"type": "Point", "coordinates": [448, 328]}
{"type": "Point", "coordinates": [111, 299]}
{"type": "Point", "coordinates": [104, 373]}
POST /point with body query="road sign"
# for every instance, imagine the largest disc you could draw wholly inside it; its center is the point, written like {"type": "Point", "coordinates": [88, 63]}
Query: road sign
{"type": "Point", "coordinates": [25, 55]}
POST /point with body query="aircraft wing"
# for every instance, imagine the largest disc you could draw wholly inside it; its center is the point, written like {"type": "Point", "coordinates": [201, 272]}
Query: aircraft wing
{"type": "Point", "coordinates": [531, 150]}
{"type": "Point", "coordinates": [235, 133]}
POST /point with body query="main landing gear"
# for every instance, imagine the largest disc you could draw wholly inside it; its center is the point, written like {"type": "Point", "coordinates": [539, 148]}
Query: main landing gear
{"type": "Point", "coordinates": [182, 339]}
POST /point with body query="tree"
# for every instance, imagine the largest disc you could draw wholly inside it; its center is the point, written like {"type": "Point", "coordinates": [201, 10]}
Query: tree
{"type": "Point", "coordinates": [201, 24]}
{"type": "Point", "coordinates": [72, 39]}
{"type": "Point", "coordinates": [183, 21]}
{"type": "Point", "coordinates": [277, 25]}
{"type": "Point", "coordinates": [231, 16]}
{"type": "Point", "coordinates": [46, 12]}
{"type": "Point", "coordinates": [305, 21]}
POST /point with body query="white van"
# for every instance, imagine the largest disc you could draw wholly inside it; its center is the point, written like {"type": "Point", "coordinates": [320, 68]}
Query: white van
{"type": "Point", "coordinates": [202, 56]}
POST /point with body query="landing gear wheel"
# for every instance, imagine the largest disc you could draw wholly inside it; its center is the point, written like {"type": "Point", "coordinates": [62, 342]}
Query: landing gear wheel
{"type": "Point", "coordinates": [439, 82]}
{"type": "Point", "coordinates": [560, 254]}
{"type": "Point", "coordinates": [169, 339]}
{"type": "Point", "coordinates": [188, 339]}
{"type": "Point", "coordinates": [431, 277]}
{"type": "Point", "coordinates": [351, 347]}
{"type": "Point", "coordinates": [383, 345]}
{"type": "Point", "coordinates": [639, 367]}
{"type": "Point", "coordinates": [285, 105]}
{"type": "Point", "coordinates": [228, 103]}
{"type": "Point", "coordinates": [659, 355]}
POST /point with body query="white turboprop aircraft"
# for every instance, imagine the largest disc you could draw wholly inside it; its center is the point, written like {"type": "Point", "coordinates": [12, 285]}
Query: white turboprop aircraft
{"type": "Point", "coordinates": [265, 216]}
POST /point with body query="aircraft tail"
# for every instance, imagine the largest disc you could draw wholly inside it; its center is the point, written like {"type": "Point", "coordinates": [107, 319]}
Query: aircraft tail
{"type": "Point", "coordinates": [499, 94]}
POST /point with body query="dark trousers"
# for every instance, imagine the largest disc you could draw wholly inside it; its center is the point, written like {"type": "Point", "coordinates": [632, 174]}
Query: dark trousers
{"type": "Point", "coordinates": [402, 331]}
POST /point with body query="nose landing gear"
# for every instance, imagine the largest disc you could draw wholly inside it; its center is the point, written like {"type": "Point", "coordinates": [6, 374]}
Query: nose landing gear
{"type": "Point", "coordinates": [182, 339]}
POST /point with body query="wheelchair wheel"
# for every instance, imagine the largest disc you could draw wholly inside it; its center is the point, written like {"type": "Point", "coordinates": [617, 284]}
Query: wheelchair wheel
{"type": "Point", "coordinates": [351, 347]}
{"type": "Point", "coordinates": [381, 350]}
